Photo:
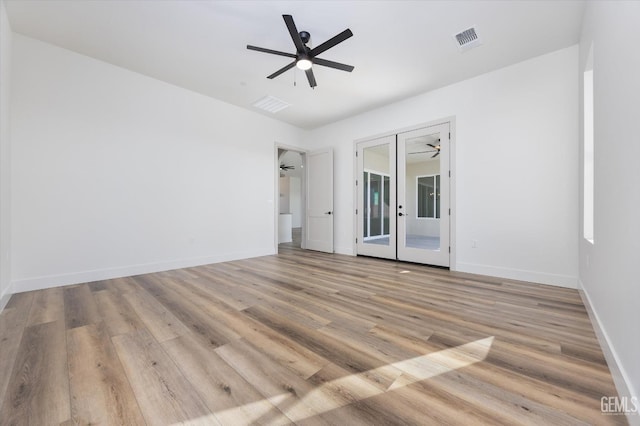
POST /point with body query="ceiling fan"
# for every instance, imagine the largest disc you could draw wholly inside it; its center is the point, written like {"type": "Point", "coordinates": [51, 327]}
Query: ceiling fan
{"type": "Point", "coordinates": [285, 168]}
{"type": "Point", "coordinates": [305, 57]}
{"type": "Point", "coordinates": [436, 149]}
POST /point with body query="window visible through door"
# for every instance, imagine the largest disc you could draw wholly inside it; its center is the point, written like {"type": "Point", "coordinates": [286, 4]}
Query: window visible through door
{"type": "Point", "coordinates": [428, 196]}
{"type": "Point", "coordinates": [376, 202]}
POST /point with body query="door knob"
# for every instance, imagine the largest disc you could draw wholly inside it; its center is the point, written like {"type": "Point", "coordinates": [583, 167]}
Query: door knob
{"type": "Point", "coordinates": [400, 214]}
{"type": "Point", "coordinates": [327, 212]}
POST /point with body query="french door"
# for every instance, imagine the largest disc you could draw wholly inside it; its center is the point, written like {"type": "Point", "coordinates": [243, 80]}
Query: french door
{"type": "Point", "coordinates": [403, 196]}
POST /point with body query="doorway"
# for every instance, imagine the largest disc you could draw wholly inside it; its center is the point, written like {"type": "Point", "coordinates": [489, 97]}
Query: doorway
{"type": "Point", "coordinates": [303, 200]}
{"type": "Point", "coordinates": [290, 198]}
{"type": "Point", "coordinates": [403, 196]}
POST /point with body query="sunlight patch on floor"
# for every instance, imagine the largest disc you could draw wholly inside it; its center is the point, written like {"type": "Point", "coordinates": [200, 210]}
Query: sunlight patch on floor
{"type": "Point", "coordinates": [354, 387]}
{"type": "Point", "coordinates": [433, 364]}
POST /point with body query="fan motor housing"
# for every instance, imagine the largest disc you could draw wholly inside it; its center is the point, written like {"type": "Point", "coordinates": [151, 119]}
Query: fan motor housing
{"type": "Point", "coordinates": [305, 36]}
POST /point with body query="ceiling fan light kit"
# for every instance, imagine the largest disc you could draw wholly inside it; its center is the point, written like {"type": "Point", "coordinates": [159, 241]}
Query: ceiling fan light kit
{"type": "Point", "coordinates": [304, 63]}
{"type": "Point", "coordinates": [305, 57]}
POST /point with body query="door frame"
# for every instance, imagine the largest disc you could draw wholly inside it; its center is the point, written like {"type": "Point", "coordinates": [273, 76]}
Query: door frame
{"type": "Point", "coordinates": [303, 196]}
{"type": "Point", "coordinates": [452, 181]}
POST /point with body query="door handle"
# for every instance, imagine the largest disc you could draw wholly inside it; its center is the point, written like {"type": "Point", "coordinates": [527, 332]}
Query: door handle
{"type": "Point", "coordinates": [400, 214]}
{"type": "Point", "coordinates": [327, 212]}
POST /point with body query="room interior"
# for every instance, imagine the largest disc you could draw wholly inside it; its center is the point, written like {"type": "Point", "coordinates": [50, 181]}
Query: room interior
{"type": "Point", "coordinates": [291, 200]}
{"type": "Point", "coordinates": [135, 155]}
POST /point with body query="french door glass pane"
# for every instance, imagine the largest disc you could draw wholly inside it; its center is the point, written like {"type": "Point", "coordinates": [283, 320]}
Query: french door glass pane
{"type": "Point", "coordinates": [376, 194]}
{"type": "Point", "coordinates": [422, 179]}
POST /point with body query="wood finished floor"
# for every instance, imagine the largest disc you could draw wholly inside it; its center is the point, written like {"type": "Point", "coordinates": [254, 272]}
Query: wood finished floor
{"type": "Point", "coordinates": [304, 338]}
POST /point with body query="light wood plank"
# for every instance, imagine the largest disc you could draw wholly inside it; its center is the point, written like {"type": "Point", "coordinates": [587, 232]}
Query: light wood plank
{"type": "Point", "coordinates": [12, 322]}
{"type": "Point", "coordinates": [38, 392]}
{"type": "Point", "coordinates": [163, 394]}
{"type": "Point", "coordinates": [100, 391]}
{"type": "Point", "coordinates": [278, 385]}
{"type": "Point", "coordinates": [79, 307]}
{"type": "Point", "coordinates": [352, 359]}
{"type": "Point", "coordinates": [228, 395]}
{"type": "Point", "coordinates": [285, 351]}
{"type": "Point", "coordinates": [116, 313]}
{"type": "Point", "coordinates": [399, 406]}
{"type": "Point", "coordinates": [47, 306]}
{"type": "Point", "coordinates": [158, 320]}
{"type": "Point", "coordinates": [21, 301]}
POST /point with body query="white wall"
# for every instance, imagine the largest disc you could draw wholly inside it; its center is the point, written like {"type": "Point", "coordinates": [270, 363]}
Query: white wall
{"type": "Point", "coordinates": [115, 173]}
{"type": "Point", "coordinates": [419, 226]}
{"type": "Point", "coordinates": [609, 267]}
{"type": "Point", "coordinates": [508, 122]}
{"type": "Point", "coordinates": [285, 195]}
{"type": "Point", "coordinates": [295, 201]}
{"type": "Point", "coordinates": [291, 198]}
{"type": "Point", "coordinates": [5, 157]}
{"type": "Point", "coordinates": [376, 162]}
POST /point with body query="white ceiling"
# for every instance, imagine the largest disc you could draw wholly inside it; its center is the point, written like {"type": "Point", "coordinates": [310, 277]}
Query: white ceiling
{"type": "Point", "coordinates": [399, 48]}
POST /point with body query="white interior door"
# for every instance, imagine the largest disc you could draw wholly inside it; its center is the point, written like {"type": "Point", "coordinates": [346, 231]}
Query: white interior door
{"type": "Point", "coordinates": [376, 195]}
{"type": "Point", "coordinates": [423, 195]}
{"type": "Point", "coordinates": [319, 212]}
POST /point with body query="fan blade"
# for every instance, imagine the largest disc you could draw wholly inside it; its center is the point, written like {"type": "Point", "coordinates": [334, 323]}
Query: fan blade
{"type": "Point", "coordinates": [331, 42]}
{"type": "Point", "coordinates": [283, 69]}
{"type": "Point", "coordinates": [331, 64]}
{"type": "Point", "coordinates": [293, 31]}
{"type": "Point", "coordinates": [273, 52]}
{"type": "Point", "coordinates": [435, 155]}
{"type": "Point", "coordinates": [311, 78]}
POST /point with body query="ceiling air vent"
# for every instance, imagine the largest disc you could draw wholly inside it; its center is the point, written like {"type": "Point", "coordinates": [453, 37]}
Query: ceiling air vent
{"type": "Point", "coordinates": [271, 104]}
{"type": "Point", "coordinates": [467, 39]}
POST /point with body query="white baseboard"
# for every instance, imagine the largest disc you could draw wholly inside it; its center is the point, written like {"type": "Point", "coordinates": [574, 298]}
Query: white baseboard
{"type": "Point", "coordinates": [39, 283]}
{"type": "Point", "coordinates": [620, 377]}
{"type": "Point", "coordinates": [519, 274]}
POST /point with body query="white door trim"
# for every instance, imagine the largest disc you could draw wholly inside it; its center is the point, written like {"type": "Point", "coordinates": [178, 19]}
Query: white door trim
{"type": "Point", "coordinates": [276, 195]}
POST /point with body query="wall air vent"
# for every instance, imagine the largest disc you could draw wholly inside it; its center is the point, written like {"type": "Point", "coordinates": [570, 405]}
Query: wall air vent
{"type": "Point", "coordinates": [467, 39]}
{"type": "Point", "coordinates": [271, 104]}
